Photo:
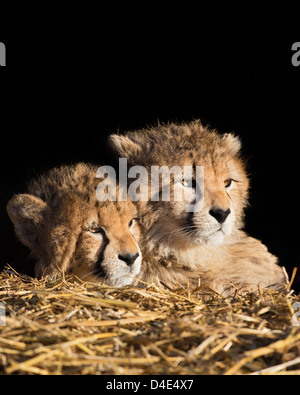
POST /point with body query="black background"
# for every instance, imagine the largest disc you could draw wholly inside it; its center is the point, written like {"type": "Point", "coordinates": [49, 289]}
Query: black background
{"type": "Point", "coordinates": [74, 76]}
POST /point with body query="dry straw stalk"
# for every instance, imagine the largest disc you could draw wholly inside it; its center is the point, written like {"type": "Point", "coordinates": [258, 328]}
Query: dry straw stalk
{"type": "Point", "coordinates": [70, 327]}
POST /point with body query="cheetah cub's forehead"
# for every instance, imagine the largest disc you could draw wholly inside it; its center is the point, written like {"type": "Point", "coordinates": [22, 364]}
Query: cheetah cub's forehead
{"type": "Point", "coordinates": [170, 142]}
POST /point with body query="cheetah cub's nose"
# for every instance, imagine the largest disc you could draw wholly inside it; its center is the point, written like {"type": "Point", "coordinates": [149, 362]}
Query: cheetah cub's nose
{"type": "Point", "coordinates": [129, 258]}
{"type": "Point", "coordinates": [219, 214]}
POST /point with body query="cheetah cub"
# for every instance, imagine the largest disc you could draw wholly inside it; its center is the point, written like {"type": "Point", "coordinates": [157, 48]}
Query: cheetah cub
{"type": "Point", "coordinates": [207, 244]}
{"type": "Point", "coordinates": [68, 230]}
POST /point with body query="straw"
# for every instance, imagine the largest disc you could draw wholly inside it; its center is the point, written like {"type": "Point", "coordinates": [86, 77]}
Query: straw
{"type": "Point", "coordinates": [70, 327]}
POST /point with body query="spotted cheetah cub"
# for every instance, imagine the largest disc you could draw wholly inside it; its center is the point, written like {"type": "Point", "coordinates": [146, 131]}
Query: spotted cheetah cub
{"type": "Point", "coordinates": [68, 230]}
{"type": "Point", "coordinates": [207, 245]}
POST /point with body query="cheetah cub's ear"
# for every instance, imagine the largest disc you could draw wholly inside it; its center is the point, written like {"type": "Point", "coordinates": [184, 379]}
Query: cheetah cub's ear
{"type": "Point", "coordinates": [26, 213]}
{"type": "Point", "coordinates": [129, 146]}
{"type": "Point", "coordinates": [233, 142]}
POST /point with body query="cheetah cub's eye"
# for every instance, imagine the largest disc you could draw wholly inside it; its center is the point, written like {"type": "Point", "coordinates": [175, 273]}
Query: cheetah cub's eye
{"type": "Point", "coordinates": [132, 222]}
{"type": "Point", "coordinates": [189, 183]}
{"type": "Point", "coordinates": [228, 182]}
{"type": "Point", "coordinates": [95, 231]}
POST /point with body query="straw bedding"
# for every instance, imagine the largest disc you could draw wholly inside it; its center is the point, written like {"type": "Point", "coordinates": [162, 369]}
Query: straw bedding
{"type": "Point", "coordinates": [70, 327]}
